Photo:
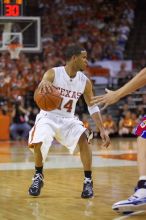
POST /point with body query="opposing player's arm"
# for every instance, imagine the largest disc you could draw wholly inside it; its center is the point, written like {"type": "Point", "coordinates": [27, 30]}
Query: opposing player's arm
{"type": "Point", "coordinates": [46, 82]}
{"type": "Point", "coordinates": [135, 83]}
{"type": "Point", "coordinates": [95, 113]}
{"type": "Point", "coordinates": [138, 81]}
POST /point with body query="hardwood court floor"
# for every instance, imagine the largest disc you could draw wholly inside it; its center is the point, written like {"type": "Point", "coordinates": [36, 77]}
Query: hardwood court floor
{"type": "Point", "coordinates": [114, 175]}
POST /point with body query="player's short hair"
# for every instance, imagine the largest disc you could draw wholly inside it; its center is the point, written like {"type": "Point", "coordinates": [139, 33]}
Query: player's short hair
{"type": "Point", "coordinates": [73, 50]}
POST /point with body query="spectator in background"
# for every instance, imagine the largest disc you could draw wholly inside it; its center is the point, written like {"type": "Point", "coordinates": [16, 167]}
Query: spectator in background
{"type": "Point", "coordinates": [134, 118]}
{"type": "Point", "coordinates": [122, 75]}
{"type": "Point", "coordinates": [4, 86]}
{"type": "Point", "coordinates": [109, 125]}
{"type": "Point", "coordinates": [140, 111]}
{"type": "Point", "coordinates": [141, 63]}
{"type": "Point", "coordinates": [32, 112]}
{"type": "Point", "coordinates": [127, 123]}
{"type": "Point", "coordinates": [4, 110]}
{"type": "Point", "coordinates": [144, 100]}
{"type": "Point", "coordinates": [19, 128]}
{"type": "Point", "coordinates": [123, 110]}
{"type": "Point", "coordinates": [130, 101]}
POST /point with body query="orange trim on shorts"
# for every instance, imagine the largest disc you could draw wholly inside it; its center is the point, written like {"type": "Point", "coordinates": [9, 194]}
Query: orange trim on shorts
{"type": "Point", "coordinates": [32, 135]}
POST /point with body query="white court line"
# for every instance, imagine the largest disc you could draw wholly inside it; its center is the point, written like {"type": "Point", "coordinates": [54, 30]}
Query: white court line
{"type": "Point", "coordinates": [98, 152]}
{"type": "Point", "coordinates": [70, 161]}
{"type": "Point", "coordinates": [114, 152]}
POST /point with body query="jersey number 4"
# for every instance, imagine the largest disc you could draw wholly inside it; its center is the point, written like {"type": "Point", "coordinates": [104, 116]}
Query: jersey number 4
{"type": "Point", "coordinates": [68, 106]}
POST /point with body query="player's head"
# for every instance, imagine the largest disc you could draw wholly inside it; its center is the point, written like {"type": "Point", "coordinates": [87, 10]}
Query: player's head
{"type": "Point", "coordinates": [77, 56]}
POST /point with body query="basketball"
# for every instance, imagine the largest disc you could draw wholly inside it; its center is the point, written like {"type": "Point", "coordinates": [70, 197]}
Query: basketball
{"type": "Point", "coordinates": [47, 101]}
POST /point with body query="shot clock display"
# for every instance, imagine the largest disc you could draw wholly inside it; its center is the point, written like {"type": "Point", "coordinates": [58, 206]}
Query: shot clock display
{"type": "Point", "coordinates": [11, 8]}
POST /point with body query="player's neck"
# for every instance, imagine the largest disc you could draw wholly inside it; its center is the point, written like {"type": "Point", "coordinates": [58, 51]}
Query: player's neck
{"type": "Point", "coordinates": [71, 70]}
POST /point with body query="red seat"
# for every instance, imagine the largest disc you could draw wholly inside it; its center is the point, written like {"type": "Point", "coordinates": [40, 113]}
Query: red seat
{"type": "Point", "coordinates": [4, 127]}
{"type": "Point", "coordinates": [98, 71]}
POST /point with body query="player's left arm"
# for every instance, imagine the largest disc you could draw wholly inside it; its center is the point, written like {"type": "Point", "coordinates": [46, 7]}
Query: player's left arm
{"type": "Point", "coordinates": [95, 113]}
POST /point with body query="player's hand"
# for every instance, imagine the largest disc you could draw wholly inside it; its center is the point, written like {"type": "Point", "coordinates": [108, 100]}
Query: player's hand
{"type": "Point", "coordinates": [45, 86]}
{"type": "Point", "coordinates": [105, 100]}
{"type": "Point", "coordinates": [105, 139]}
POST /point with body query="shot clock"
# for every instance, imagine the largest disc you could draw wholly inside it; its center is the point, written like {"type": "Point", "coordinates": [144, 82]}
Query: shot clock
{"type": "Point", "coordinates": [17, 29]}
{"type": "Point", "coordinates": [11, 8]}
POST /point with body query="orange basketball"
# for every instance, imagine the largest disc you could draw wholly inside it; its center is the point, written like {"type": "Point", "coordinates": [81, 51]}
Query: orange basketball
{"type": "Point", "coordinates": [48, 101]}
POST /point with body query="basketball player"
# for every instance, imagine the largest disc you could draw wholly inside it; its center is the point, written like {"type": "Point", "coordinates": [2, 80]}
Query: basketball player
{"type": "Point", "coordinates": [138, 200]}
{"type": "Point", "coordinates": [61, 123]}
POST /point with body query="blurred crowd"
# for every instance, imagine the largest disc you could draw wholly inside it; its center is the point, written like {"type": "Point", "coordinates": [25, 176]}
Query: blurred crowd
{"type": "Point", "coordinates": [23, 118]}
{"type": "Point", "coordinates": [122, 126]}
{"type": "Point", "coordinates": [101, 26]}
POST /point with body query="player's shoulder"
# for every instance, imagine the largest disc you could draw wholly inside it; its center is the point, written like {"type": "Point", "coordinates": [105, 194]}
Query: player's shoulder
{"type": "Point", "coordinates": [59, 71]}
{"type": "Point", "coordinates": [82, 76]}
{"type": "Point", "coordinates": [58, 68]}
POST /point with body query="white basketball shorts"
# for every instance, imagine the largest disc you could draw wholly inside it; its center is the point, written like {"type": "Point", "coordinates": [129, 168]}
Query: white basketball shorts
{"type": "Point", "coordinates": [48, 126]}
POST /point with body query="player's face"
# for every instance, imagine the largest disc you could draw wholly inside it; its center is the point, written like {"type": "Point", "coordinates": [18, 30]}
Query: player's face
{"type": "Point", "coordinates": [82, 61]}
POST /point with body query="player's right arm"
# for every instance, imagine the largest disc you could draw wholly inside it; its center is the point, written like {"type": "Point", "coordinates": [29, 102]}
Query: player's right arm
{"type": "Point", "coordinates": [46, 82]}
{"type": "Point", "coordinates": [114, 96]}
{"type": "Point", "coordinates": [95, 114]}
